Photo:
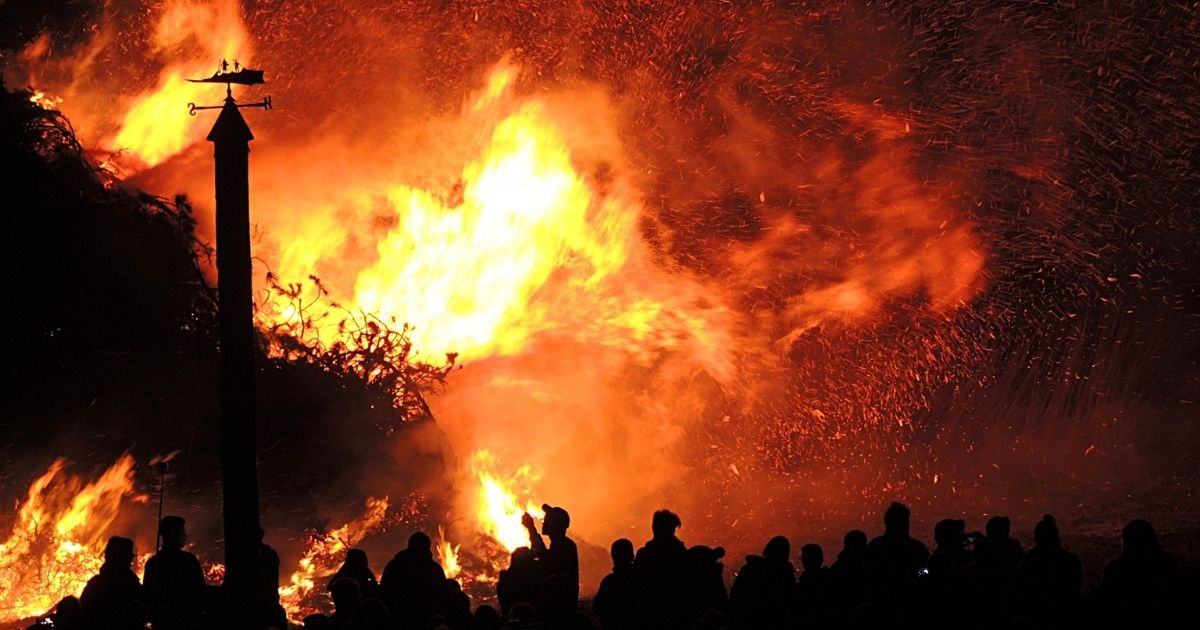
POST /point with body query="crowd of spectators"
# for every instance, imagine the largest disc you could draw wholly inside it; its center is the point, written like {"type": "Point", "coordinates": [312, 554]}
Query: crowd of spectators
{"type": "Point", "coordinates": [984, 580]}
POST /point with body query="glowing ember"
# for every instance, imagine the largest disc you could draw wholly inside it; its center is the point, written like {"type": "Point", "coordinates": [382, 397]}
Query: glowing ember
{"type": "Point", "coordinates": [323, 555]}
{"type": "Point", "coordinates": [57, 540]}
{"type": "Point", "coordinates": [500, 506]}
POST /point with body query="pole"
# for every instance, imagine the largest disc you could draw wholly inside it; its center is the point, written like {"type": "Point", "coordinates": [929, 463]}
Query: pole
{"type": "Point", "coordinates": [239, 469]}
{"type": "Point", "coordinates": [162, 494]}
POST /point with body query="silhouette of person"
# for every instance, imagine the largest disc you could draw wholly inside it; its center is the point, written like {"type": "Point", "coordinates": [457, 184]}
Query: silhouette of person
{"type": "Point", "coordinates": [894, 559]}
{"type": "Point", "coordinates": [949, 537]}
{"type": "Point", "coordinates": [1050, 577]}
{"type": "Point", "coordinates": [358, 569]}
{"type": "Point", "coordinates": [454, 605]}
{"type": "Point", "coordinates": [1140, 585]}
{"type": "Point", "coordinates": [985, 584]}
{"type": "Point", "coordinates": [559, 560]}
{"type": "Point", "coordinates": [704, 585]}
{"type": "Point", "coordinates": [174, 581]}
{"type": "Point", "coordinates": [814, 587]}
{"type": "Point", "coordinates": [520, 583]}
{"type": "Point", "coordinates": [68, 615]}
{"type": "Point", "coordinates": [486, 618]}
{"type": "Point", "coordinates": [1008, 548]}
{"type": "Point", "coordinates": [616, 600]}
{"type": "Point", "coordinates": [371, 615]}
{"type": "Point", "coordinates": [271, 613]}
{"type": "Point", "coordinates": [764, 587]}
{"type": "Point", "coordinates": [346, 599]}
{"type": "Point", "coordinates": [115, 589]}
{"type": "Point", "coordinates": [659, 566]}
{"type": "Point", "coordinates": [849, 573]}
{"type": "Point", "coordinates": [412, 582]}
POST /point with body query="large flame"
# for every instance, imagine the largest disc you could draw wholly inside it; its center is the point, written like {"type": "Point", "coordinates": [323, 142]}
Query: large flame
{"type": "Point", "coordinates": [58, 537]}
{"type": "Point", "coordinates": [522, 243]}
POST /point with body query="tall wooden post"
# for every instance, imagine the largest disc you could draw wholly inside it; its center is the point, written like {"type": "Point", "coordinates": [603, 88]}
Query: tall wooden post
{"type": "Point", "coordinates": [239, 467]}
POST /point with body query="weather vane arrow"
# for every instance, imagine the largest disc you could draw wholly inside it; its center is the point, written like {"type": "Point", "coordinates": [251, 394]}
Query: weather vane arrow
{"type": "Point", "coordinates": [240, 76]}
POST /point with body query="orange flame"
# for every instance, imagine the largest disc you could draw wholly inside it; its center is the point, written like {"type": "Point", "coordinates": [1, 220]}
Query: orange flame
{"type": "Point", "coordinates": [156, 124]}
{"type": "Point", "coordinates": [57, 540]}
{"type": "Point", "coordinates": [323, 554]}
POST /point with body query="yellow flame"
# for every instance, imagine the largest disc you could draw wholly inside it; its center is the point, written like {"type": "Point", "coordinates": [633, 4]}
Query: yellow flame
{"type": "Point", "coordinates": [499, 508]}
{"type": "Point", "coordinates": [58, 537]}
{"type": "Point", "coordinates": [447, 555]}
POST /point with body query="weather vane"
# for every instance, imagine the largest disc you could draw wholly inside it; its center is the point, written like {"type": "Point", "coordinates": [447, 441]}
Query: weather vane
{"type": "Point", "coordinates": [241, 76]}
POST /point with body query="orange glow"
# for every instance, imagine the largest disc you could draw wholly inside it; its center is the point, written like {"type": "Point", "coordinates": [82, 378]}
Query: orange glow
{"type": "Point", "coordinates": [58, 537]}
{"type": "Point", "coordinates": [323, 555]}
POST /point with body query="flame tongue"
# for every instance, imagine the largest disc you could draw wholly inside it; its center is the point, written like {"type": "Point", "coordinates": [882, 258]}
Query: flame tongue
{"type": "Point", "coordinates": [499, 508]}
{"type": "Point", "coordinates": [447, 555]}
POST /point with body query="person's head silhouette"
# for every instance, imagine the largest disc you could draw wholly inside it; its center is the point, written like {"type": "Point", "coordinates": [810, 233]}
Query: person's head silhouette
{"type": "Point", "coordinates": [896, 519]}
{"type": "Point", "coordinates": [854, 542]}
{"type": "Point", "coordinates": [998, 528]}
{"type": "Point", "coordinates": [119, 552]}
{"type": "Point", "coordinates": [664, 524]}
{"type": "Point", "coordinates": [621, 552]}
{"type": "Point", "coordinates": [173, 532]}
{"type": "Point", "coordinates": [1139, 537]}
{"type": "Point", "coordinates": [357, 558]}
{"type": "Point", "coordinates": [345, 593]}
{"type": "Point", "coordinates": [811, 557]}
{"type": "Point", "coordinates": [556, 521]}
{"type": "Point", "coordinates": [948, 533]}
{"type": "Point", "coordinates": [1045, 533]}
{"type": "Point", "coordinates": [777, 549]}
{"type": "Point", "coordinates": [420, 542]}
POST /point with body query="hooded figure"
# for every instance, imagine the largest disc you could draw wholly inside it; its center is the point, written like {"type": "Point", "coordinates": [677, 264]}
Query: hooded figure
{"type": "Point", "coordinates": [108, 595]}
{"type": "Point", "coordinates": [412, 580]}
{"type": "Point", "coordinates": [763, 588]}
{"type": "Point", "coordinates": [1050, 577]}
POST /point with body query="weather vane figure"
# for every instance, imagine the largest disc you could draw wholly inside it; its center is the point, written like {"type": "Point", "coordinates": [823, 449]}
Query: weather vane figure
{"type": "Point", "coordinates": [240, 76]}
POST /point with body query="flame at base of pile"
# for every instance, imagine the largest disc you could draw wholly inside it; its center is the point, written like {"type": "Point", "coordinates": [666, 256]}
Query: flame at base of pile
{"type": "Point", "coordinates": [57, 540]}
{"type": "Point", "coordinates": [305, 593]}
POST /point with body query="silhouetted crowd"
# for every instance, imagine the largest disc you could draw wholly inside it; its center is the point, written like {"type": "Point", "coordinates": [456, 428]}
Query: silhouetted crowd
{"type": "Point", "coordinates": [970, 580]}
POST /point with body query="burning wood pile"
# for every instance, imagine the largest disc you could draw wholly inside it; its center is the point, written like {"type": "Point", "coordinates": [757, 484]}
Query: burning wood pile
{"type": "Point", "coordinates": [763, 261]}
